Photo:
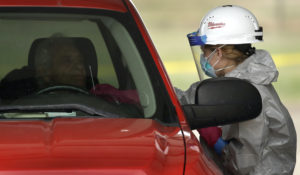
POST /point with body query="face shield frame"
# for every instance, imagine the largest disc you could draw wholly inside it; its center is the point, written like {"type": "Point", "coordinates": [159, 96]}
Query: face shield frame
{"type": "Point", "coordinates": [195, 43]}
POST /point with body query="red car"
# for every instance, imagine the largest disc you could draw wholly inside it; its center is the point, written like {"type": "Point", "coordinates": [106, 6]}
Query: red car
{"type": "Point", "coordinates": [83, 91]}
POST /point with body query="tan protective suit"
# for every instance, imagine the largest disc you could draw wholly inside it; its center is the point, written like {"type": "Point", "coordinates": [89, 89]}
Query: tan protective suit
{"type": "Point", "coordinates": [265, 145]}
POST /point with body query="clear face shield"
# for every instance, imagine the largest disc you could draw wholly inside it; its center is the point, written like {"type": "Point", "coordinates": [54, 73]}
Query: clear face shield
{"type": "Point", "coordinates": [196, 42]}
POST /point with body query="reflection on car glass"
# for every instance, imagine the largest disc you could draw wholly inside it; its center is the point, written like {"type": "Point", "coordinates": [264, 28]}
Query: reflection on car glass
{"type": "Point", "coordinates": [62, 110]}
{"type": "Point", "coordinates": [12, 115]}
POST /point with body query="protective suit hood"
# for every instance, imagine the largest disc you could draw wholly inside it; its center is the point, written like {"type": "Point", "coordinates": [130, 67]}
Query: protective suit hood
{"type": "Point", "coordinates": [259, 69]}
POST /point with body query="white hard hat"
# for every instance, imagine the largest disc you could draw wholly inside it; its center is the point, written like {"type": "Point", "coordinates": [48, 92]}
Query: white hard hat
{"type": "Point", "coordinates": [229, 24]}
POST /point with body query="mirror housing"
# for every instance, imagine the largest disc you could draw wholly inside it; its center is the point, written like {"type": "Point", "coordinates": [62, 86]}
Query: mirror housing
{"type": "Point", "coordinates": [221, 101]}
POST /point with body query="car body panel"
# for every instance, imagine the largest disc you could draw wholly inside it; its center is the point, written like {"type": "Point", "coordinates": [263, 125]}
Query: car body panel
{"type": "Point", "coordinates": [196, 160]}
{"type": "Point", "coordinates": [130, 146]}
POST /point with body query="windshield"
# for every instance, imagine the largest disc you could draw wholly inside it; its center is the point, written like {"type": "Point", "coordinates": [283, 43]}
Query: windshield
{"type": "Point", "coordinates": [70, 65]}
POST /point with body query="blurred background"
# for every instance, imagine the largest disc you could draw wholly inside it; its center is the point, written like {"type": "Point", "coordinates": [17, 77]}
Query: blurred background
{"type": "Point", "coordinates": [169, 21]}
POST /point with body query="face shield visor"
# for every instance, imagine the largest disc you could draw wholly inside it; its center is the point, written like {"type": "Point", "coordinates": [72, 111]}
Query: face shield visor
{"type": "Point", "coordinates": [195, 43]}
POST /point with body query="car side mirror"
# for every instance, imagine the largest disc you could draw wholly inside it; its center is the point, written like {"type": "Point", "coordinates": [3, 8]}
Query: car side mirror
{"type": "Point", "coordinates": [221, 101]}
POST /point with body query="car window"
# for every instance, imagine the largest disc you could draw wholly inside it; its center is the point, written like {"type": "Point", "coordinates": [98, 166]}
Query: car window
{"type": "Point", "coordinates": [70, 65]}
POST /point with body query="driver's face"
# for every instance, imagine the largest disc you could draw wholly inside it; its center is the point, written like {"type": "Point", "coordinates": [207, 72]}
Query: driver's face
{"type": "Point", "coordinates": [68, 67]}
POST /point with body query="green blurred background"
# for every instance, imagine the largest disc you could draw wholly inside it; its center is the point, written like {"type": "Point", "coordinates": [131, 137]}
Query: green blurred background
{"type": "Point", "coordinates": [168, 22]}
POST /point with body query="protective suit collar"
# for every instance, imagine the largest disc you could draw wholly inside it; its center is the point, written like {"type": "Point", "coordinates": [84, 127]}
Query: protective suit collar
{"type": "Point", "coordinates": [259, 68]}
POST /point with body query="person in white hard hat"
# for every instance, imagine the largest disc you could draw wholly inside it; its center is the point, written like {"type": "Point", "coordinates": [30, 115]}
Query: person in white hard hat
{"type": "Point", "coordinates": [262, 146]}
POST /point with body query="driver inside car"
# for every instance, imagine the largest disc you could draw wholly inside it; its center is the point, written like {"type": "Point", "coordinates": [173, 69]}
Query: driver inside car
{"type": "Point", "coordinates": [59, 61]}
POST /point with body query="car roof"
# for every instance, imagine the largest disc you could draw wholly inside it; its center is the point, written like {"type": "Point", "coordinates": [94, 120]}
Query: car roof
{"type": "Point", "coordinates": [115, 5]}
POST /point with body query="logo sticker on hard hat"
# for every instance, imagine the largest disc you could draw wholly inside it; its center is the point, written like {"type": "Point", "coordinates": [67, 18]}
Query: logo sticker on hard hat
{"type": "Point", "coordinates": [212, 25]}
